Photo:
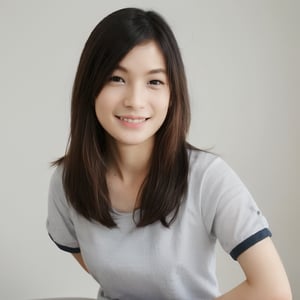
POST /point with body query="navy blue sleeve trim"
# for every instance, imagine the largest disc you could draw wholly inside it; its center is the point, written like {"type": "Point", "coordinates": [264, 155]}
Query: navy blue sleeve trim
{"type": "Point", "coordinates": [250, 241]}
{"type": "Point", "coordinates": [65, 248]}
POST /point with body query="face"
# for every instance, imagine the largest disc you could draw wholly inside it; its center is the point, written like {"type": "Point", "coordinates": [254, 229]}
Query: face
{"type": "Point", "coordinates": [134, 102]}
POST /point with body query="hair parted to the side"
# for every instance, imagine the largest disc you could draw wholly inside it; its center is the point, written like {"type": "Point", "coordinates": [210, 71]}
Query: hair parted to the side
{"type": "Point", "coordinates": [84, 164]}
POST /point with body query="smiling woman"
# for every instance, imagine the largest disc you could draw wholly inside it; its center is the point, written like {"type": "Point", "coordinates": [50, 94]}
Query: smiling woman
{"type": "Point", "coordinates": [116, 49]}
{"type": "Point", "coordinates": [138, 207]}
{"type": "Point", "coordinates": [133, 104]}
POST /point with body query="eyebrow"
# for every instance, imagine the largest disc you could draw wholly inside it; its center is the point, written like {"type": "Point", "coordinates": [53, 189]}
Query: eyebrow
{"type": "Point", "coordinates": [153, 71]}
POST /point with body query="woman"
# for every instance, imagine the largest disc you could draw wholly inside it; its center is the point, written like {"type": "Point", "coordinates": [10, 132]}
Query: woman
{"type": "Point", "coordinates": [137, 206]}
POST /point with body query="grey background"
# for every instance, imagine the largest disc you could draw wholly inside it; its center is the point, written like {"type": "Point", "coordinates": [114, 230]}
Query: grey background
{"type": "Point", "coordinates": [242, 63]}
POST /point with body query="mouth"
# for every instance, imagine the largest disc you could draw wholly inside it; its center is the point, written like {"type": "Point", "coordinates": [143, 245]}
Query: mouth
{"type": "Point", "coordinates": [134, 120]}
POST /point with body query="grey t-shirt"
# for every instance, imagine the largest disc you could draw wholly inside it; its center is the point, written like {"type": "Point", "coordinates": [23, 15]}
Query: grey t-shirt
{"type": "Point", "coordinates": [155, 262]}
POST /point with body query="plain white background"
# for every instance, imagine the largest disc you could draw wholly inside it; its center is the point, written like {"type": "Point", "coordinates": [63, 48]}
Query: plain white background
{"type": "Point", "coordinates": [242, 63]}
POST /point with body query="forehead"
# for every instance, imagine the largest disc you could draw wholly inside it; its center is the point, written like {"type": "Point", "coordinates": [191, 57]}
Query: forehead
{"type": "Point", "coordinates": [145, 56]}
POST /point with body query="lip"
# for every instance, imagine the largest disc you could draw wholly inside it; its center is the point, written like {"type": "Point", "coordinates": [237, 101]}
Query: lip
{"type": "Point", "coordinates": [132, 121]}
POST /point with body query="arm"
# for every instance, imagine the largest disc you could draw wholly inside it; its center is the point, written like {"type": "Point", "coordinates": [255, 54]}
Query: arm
{"type": "Point", "coordinates": [79, 258]}
{"type": "Point", "coordinates": [265, 275]}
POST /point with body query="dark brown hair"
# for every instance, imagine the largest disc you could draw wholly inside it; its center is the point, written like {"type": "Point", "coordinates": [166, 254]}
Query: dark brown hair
{"type": "Point", "coordinates": [84, 164]}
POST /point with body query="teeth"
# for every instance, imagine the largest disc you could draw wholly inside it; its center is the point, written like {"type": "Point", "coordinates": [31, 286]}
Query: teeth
{"type": "Point", "coordinates": [132, 120]}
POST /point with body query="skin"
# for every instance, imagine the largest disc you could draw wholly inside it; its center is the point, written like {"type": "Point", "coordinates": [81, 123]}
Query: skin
{"type": "Point", "coordinates": [265, 277]}
{"type": "Point", "coordinates": [133, 104]}
{"type": "Point", "coordinates": [131, 108]}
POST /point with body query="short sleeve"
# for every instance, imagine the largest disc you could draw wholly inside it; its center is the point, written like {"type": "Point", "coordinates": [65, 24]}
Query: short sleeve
{"type": "Point", "coordinates": [229, 211]}
{"type": "Point", "coordinates": [59, 222]}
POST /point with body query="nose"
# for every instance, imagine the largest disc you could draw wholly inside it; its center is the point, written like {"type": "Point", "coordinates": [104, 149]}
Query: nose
{"type": "Point", "coordinates": [134, 97]}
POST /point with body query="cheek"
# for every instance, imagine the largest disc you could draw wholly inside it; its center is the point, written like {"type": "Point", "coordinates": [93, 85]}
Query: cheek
{"type": "Point", "coordinates": [103, 103]}
{"type": "Point", "coordinates": [164, 103]}
{"type": "Point", "coordinates": [98, 108]}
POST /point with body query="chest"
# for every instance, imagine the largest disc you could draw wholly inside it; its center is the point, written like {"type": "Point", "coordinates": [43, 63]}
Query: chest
{"type": "Point", "coordinates": [152, 262]}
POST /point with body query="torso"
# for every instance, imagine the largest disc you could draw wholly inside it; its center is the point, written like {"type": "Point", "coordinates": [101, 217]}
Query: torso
{"type": "Point", "coordinates": [155, 262]}
{"type": "Point", "coordinates": [152, 261]}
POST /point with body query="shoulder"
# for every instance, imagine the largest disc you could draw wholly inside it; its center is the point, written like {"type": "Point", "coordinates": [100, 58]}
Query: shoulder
{"type": "Point", "coordinates": [57, 173]}
{"type": "Point", "coordinates": [56, 177]}
{"type": "Point", "coordinates": [200, 162]}
{"type": "Point", "coordinates": [212, 179]}
{"type": "Point", "coordinates": [209, 165]}
{"type": "Point", "coordinates": [197, 156]}
{"type": "Point", "coordinates": [56, 190]}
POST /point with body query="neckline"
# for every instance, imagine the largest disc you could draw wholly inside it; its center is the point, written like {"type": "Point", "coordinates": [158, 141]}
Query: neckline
{"type": "Point", "coordinates": [124, 213]}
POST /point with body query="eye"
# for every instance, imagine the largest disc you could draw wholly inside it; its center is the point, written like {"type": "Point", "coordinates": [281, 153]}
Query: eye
{"type": "Point", "coordinates": [155, 82]}
{"type": "Point", "coordinates": [115, 78]}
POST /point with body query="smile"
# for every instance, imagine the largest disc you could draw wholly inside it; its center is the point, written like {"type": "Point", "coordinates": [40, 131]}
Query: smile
{"type": "Point", "coordinates": [133, 120]}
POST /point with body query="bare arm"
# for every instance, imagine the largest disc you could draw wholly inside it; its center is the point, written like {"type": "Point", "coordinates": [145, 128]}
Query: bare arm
{"type": "Point", "coordinates": [265, 275]}
{"type": "Point", "coordinates": [79, 258]}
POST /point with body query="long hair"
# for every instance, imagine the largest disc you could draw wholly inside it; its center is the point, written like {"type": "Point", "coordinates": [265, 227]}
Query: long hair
{"type": "Point", "coordinates": [84, 163]}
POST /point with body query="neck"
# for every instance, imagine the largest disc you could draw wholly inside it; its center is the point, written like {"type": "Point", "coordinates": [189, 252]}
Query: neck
{"type": "Point", "coordinates": [130, 161]}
